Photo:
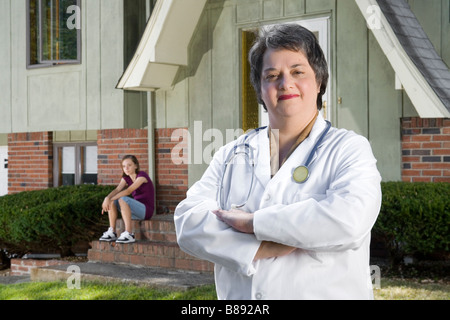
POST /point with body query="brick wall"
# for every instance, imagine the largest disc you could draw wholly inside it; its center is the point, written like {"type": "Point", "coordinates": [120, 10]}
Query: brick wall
{"type": "Point", "coordinates": [113, 145]}
{"type": "Point", "coordinates": [30, 161]}
{"type": "Point", "coordinates": [171, 177]}
{"type": "Point", "coordinates": [22, 267]}
{"type": "Point", "coordinates": [425, 150]}
{"type": "Point", "coordinates": [171, 181]}
{"type": "Point", "coordinates": [30, 165]}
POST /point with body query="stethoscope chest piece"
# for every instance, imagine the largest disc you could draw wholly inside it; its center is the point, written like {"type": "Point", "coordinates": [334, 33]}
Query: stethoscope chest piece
{"type": "Point", "coordinates": [301, 174]}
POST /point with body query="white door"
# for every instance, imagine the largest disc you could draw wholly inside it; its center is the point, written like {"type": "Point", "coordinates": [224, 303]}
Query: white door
{"type": "Point", "coordinates": [3, 170]}
{"type": "Point", "coordinates": [320, 27]}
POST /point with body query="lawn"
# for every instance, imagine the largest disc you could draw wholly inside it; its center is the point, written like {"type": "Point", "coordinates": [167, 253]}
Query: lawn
{"type": "Point", "coordinates": [412, 289]}
{"type": "Point", "coordinates": [391, 289]}
{"type": "Point", "coordinates": [98, 291]}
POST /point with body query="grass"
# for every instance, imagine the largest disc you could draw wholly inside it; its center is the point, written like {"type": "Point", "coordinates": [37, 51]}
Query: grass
{"type": "Point", "coordinates": [391, 289]}
{"type": "Point", "coordinates": [99, 291]}
{"type": "Point", "coordinates": [412, 289]}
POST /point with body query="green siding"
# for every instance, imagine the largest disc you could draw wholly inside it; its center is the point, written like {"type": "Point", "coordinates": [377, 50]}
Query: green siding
{"type": "Point", "coordinates": [384, 113]}
{"type": "Point", "coordinates": [135, 103]}
{"type": "Point", "coordinates": [445, 34]}
{"type": "Point", "coordinates": [351, 69]}
{"type": "Point", "coordinates": [316, 6]}
{"type": "Point", "coordinates": [72, 97]}
{"type": "Point", "coordinates": [200, 93]}
{"type": "Point", "coordinates": [5, 66]}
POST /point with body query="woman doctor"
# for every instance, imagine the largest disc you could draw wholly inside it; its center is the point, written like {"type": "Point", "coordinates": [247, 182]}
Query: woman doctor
{"type": "Point", "coordinates": [304, 231]}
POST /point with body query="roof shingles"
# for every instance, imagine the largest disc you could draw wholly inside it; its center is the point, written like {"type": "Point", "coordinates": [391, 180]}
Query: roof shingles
{"type": "Point", "coordinates": [418, 46]}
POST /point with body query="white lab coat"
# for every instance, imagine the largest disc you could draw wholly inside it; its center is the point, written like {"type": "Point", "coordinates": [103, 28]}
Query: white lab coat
{"type": "Point", "coordinates": [328, 218]}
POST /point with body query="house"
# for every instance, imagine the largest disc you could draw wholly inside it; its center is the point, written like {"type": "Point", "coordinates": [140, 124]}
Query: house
{"type": "Point", "coordinates": [85, 82]}
{"type": "Point", "coordinates": [61, 113]}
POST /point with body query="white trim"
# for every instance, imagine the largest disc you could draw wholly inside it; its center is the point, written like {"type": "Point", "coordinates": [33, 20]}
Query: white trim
{"type": "Point", "coordinates": [322, 25]}
{"type": "Point", "coordinates": [423, 97]}
{"type": "Point", "coordinates": [3, 170]}
{"type": "Point", "coordinates": [164, 45]}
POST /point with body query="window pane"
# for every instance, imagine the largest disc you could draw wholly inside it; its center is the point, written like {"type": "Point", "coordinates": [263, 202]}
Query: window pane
{"type": "Point", "coordinates": [68, 166]}
{"type": "Point", "coordinates": [90, 159]}
{"type": "Point", "coordinates": [46, 30]}
{"type": "Point", "coordinates": [250, 106]}
{"type": "Point", "coordinates": [89, 165]}
{"type": "Point", "coordinates": [67, 35]}
{"type": "Point", "coordinates": [59, 41]}
{"type": "Point", "coordinates": [68, 160]}
{"type": "Point", "coordinates": [34, 31]}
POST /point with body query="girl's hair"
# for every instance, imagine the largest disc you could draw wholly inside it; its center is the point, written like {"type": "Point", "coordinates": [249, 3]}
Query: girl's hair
{"type": "Point", "coordinates": [135, 161]}
{"type": "Point", "coordinates": [290, 37]}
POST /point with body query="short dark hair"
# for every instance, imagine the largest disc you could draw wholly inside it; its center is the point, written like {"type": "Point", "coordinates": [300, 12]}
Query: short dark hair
{"type": "Point", "coordinates": [290, 37]}
{"type": "Point", "coordinates": [135, 161]}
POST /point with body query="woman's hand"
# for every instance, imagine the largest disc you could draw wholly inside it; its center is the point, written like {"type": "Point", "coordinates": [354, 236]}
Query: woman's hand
{"type": "Point", "coordinates": [240, 220]}
{"type": "Point", "coordinates": [272, 249]}
{"type": "Point", "coordinates": [243, 221]}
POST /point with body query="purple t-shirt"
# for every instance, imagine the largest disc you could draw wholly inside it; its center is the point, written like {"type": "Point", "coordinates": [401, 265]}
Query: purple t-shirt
{"type": "Point", "coordinates": [144, 194]}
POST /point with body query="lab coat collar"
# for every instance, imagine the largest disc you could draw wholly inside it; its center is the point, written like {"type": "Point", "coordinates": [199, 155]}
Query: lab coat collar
{"type": "Point", "coordinates": [300, 155]}
{"type": "Point", "coordinates": [261, 145]}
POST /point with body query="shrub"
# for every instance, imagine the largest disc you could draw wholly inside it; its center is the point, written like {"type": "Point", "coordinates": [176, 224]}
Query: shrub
{"type": "Point", "coordinates": [414, 219]}
{"type": "Point", "coordinates": [52, 219]}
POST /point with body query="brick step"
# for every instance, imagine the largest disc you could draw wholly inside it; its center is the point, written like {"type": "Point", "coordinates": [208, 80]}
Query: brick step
{"type": "Point", "coordinates": [160, 228]}
{"type": "Point", "coordinates": [155, 246]}
{"type": "Point", "coordinates": [147, 254]}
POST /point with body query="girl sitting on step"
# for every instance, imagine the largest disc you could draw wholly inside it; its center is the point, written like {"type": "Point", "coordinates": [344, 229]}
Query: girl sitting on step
{"type": "Point", "coordinates": [140, 207]}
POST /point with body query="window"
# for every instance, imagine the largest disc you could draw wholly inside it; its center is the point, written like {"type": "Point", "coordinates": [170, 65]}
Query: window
{"type": "Point", "coordinates": [74, 163]}
{"type": "Point", "coordinates": [54, 32]}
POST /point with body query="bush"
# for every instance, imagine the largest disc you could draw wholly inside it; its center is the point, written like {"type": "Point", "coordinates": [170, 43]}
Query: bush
{"type": "Point", "coordinates": [54, 219]}
{"type": "Point", "coordinates": [414, 219]}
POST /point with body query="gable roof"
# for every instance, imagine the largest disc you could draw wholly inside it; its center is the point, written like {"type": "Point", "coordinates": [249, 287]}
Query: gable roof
{"type": "Point", "coordinates": [418, 46]}
{"type": "Point", "coordinates": [164, 45]}
{"type": "Point", "coordinates": [422, 72]}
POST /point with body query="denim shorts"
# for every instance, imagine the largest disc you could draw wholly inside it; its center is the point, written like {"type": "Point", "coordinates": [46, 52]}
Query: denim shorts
{"type": "Point", "coordinates": [137, 208]}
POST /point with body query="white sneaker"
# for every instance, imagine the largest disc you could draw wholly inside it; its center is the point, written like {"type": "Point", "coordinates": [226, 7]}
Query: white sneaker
{"type": "Point", "coordinates": [109, 235]}
{"type": "Point", "coordinates": [126, 237]}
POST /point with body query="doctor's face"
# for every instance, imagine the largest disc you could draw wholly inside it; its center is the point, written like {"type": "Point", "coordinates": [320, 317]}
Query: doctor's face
{"type": "Point", "coordinates": [288, 86]}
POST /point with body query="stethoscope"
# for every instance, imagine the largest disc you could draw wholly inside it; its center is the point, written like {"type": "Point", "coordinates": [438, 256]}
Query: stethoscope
{"type": "Point", "coordinates": [300, 175]}
{"type": "Point", "coordinates": [242, 148]}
